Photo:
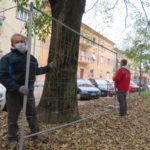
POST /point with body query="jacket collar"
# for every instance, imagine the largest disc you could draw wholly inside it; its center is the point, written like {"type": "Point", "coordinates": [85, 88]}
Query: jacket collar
{"type": "Point", "coordinates": [14, 50]}
{"type": "Point", "coordinates": [126, 67]}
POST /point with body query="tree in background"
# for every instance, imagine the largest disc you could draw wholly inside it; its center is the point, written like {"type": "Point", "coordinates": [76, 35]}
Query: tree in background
{"type": "Point", "coordinates": [137, 45]}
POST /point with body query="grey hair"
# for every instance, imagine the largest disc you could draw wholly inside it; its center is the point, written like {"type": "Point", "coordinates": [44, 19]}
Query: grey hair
{"type": "Point", "coordinates": [17, 34]}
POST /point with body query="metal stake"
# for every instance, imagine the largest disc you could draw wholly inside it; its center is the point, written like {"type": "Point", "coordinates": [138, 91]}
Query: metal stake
{"type": "Point", "coordinates": [21, 143]}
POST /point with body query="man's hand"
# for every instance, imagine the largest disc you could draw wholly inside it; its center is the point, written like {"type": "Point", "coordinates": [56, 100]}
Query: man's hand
{"type": "Point", "coordinates": [52, 64]}
{"type": "Point", "coordinates": [24, 90]}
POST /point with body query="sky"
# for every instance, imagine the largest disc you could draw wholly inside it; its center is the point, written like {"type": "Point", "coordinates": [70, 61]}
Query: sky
{"type": "Point", "coordinates": [118, 27]}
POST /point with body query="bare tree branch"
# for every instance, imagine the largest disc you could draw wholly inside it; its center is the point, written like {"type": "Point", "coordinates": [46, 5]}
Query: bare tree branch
{"type": "Point", "coordinates": [144, 10]}
{"type": "Point", "coordinates": [126, 7]}
{"type": "Point", "coordinates": [132, 5]}
{"type": "Point", "coordinates": [92, 6]}
{"type": "Point", "coordinates": [115, 4]}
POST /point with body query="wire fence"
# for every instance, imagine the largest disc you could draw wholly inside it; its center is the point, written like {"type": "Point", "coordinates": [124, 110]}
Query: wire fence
{"type": "Point", "coordinates": [58, 94]}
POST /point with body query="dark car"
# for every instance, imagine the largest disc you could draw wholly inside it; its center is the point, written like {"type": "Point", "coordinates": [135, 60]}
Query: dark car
{"type": "Point", "coordinates": [86, 90]}
{"type": "Point", "coordinates": [104, 86]}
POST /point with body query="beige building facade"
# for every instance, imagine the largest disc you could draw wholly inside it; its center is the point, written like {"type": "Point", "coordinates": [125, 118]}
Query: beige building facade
{"type": "Point", "coordinates": [97, 57]}
{"type": "Point", "coordinates": [14, 21]}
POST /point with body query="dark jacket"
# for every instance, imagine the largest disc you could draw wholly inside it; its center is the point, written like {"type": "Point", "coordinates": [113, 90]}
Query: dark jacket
{"type": "Point", "coordinates": [122, 79]}
{"type": "Point", "coordinates": [13, 70]}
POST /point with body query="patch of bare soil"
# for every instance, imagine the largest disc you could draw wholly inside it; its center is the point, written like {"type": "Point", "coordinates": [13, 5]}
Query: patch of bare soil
{"type": "Point", "coordinates": [104, 132]}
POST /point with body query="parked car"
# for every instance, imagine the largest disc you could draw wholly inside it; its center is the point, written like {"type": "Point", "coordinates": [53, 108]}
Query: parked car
{"type": "Point", "coordinates": [140, 82]}
{"type": "Point", "coordinates": [2, 97]}
{"type": "Point", "coordinates": [106, 89]}
{"type": "Point", "coordinates": [148, 86]}
{"type": "Point", "coordinates": [133, 84]}
{"type": "Point", "coordinates": [85, 90]}
{"type": "Point", "coordinates": [132, 88]}
{"type": "Point", "coordinates": [111, 84]}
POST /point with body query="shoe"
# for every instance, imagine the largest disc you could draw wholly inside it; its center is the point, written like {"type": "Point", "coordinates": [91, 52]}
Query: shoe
{"type": "Point", "coordinates": [13, 145]}
{"type": "Point", "coordinates": [120, 114]}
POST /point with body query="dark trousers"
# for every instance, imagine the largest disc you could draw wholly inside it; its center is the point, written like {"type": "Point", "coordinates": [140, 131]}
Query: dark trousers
{"type": "Point", "coordinates": [14, 105]}
{"type": "Point", "coordinates": [121, 96]}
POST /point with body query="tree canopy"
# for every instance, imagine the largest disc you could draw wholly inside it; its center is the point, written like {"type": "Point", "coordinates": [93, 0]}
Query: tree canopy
{"type": "Point", "coordinates": [137, 43]}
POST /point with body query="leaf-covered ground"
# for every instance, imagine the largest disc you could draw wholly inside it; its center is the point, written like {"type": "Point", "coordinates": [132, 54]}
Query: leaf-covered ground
{"type": "Point", "coordinates": [105, 132]}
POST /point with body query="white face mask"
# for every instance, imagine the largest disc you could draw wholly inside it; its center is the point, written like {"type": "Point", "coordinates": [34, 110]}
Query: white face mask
{"type": "Point", "coordinates": [21, 47]}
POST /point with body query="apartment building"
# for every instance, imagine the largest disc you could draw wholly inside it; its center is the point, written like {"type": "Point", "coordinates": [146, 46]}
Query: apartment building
{"type": "Point", "coordinates": [97, 57]}
{"type": "Point", "coordinates": [14, 21]}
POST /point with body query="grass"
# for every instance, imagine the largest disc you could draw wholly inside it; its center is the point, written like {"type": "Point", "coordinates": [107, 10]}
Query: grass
{"type": "Point", "coordinates": [143, 93]}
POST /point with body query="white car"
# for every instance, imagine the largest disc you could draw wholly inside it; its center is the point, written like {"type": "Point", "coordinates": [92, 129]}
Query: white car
{"type": "Point", "coordinates": [105, 87]}
{"type": "Point", "coordinates": [148, 86]}
{"type": "Point", "coordinates": [2, 97]}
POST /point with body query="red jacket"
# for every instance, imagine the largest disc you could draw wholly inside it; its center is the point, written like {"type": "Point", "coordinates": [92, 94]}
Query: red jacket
{"type": "Point", "coordinates": [122, 79]}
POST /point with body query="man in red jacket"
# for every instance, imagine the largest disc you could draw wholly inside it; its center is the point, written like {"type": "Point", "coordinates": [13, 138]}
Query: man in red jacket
{"type": "Point", "coordinates": [122, 82]}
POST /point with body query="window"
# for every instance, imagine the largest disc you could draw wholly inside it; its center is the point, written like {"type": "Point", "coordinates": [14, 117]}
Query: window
{"type": "Point", "coordinates": [107, 75]}
{"type": "Point", "coordinates": [23, 15]}
{"type": "Point", "coordinates": [93, 57]}
{"type": "Point", "coordinates": [92, 72]}
{"type": "Point", "coordinates": [101, 59]}
{"type": "Point", "coordinates": [82, 53]}
{"type": "Point", "coordinates": [94, 40]}
{"type": "Point", "coordinates": [101, 75]}
{"type": "Point", "coordinates": [108, 61]}
{"type": "Point", "coordinates": [1, 54]}
{"type": "Point", "coordinates": [2, 16]}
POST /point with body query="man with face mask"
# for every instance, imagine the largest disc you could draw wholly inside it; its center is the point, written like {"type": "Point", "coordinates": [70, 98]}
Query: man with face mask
{"type": "Point", "coordinates": [12, 76]}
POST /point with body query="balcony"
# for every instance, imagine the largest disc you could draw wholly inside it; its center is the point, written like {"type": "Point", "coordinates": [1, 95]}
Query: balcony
{"type": "Point", "coordinates": [84, 43]}
{"type": "Point", "coordinates": [84, 59]}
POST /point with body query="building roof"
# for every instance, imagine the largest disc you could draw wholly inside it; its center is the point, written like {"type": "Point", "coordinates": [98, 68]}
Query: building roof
{"type": "Point", "coordinates": [98, 34]}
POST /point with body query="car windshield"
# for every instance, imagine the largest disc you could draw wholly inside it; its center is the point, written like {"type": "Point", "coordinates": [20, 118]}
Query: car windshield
{"type": "Point", "coordinates": [84, 83]}
{"type": "Point", "coordinates": [111, 81]}
{"type": "Point", "coordinates": [138, 80]}
{"type": "Point", "coordinates": [132, 83]}
{"type": "Point", "coordinates": [101, 82]}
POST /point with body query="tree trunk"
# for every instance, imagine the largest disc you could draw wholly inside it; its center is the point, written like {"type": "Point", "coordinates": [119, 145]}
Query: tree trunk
{"type": "Point", "coordinates": [59, 103]}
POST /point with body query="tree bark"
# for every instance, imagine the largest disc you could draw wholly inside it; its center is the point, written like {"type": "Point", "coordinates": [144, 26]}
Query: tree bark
{"type": "Point", "coordinates": [59, 103]}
